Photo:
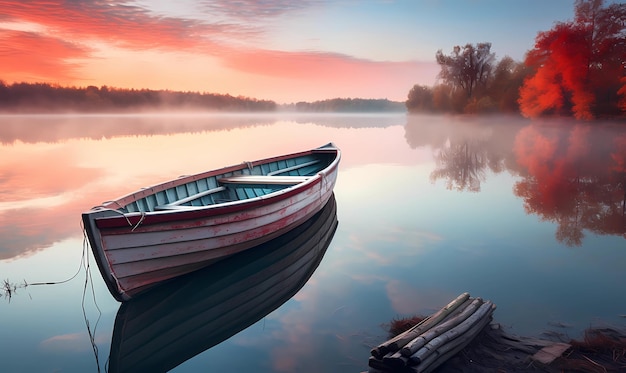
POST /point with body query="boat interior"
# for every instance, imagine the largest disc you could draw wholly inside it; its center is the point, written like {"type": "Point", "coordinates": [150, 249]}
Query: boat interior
{"type": "Point", "coordinates": [247, 182]}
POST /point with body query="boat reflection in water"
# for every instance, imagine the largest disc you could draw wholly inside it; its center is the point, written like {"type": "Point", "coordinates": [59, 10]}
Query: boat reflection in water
{"type": "Point", "coordinates": [172, 323]}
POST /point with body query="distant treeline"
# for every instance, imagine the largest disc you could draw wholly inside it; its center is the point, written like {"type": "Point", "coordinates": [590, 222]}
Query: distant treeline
{"type": "Point", "coordinates": [347, 105]}
{"type": "Point", "coordinates": [42, 97]}
{"type": "Point", "coordinates": [45, 98]}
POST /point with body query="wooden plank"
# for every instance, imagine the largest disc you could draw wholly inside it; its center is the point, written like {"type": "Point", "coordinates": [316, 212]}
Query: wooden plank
{"type": "Point", "coordinates": [432, 334]}
{"type": "Point", "coordinates": [295, 167]}
{"type": "Point", "coordinates": [403, 339]}
{"type": "Point", "coordinates": [549, 353]}
{"type": "Point", "coordinates": [454, 346]}
{"type": "Point", "coordinates": [262, 179]}
{"type": "Point", "coordinates": [457, 333]}
{"type": "Point", "coordinates": [189, 198]}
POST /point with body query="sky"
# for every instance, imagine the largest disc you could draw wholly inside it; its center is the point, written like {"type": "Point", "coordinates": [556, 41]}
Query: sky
{"type": "Point", "coordinates": [281, 50]}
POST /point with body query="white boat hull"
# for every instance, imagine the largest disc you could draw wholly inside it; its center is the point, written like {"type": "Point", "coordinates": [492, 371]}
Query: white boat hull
{"type": "Point", "coordinates": [135, 251]}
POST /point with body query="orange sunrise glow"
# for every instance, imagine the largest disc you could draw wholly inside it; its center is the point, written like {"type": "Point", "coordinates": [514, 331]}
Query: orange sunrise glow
{"type": "Point", "coordinates": [270, 50]}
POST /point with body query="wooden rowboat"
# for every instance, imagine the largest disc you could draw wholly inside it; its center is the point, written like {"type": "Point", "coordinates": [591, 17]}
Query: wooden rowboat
{"type": "Point", "coordinates": [170, 229]}
{"type": "Point", "coordinates": [173, 322]}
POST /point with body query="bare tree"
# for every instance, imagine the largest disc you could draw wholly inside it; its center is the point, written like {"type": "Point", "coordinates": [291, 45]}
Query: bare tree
{"type": "Point", "coordinates": [468, 68]}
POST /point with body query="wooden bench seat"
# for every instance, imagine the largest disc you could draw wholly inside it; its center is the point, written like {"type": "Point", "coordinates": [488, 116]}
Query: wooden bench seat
{"type": "Point", "coordinates": [262, 179]}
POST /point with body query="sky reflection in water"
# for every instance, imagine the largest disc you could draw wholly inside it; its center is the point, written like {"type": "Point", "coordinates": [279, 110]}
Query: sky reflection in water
{"type": "Point", "coordinates": [527, 215]}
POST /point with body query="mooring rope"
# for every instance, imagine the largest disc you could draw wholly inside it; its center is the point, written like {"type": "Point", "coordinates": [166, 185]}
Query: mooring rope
{"type": "Point", "coordinates": [84, 263]}
{"type": "Point", "coordinates": [89, 281]}
{"type": "Point", "coordinates": [141, 219]}
{"type": "Point", "coordinates": [80, 266]}
{"type": "Point", "coordinates": [10, 288]}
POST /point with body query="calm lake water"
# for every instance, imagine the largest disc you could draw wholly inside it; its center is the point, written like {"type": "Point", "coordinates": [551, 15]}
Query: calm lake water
{"type": "Point", "coordinates": [528, 215]}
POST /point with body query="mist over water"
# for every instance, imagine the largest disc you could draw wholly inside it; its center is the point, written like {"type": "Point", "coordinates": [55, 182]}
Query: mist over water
{"type": "Point", "coordinates": [527, 214]}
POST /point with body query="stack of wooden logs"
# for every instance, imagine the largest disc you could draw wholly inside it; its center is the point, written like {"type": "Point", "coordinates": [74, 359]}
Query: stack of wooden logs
{"type": "Point", "coordinates": [435, 339]}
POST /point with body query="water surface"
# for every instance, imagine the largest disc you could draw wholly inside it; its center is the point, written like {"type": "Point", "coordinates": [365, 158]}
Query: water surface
{"type": "Point", "coordinates": [528, 215]}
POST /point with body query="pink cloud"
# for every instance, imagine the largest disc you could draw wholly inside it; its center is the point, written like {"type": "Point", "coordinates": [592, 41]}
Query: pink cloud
{"type": "Point", "coordinates": [316, 64]}
{"type": "Point", "coordinates": [113, 22]}
{"type": "Point", "coordinates": [67, 36]}
{"type": "Point", "coordinates": [25, 53]}
{"type": "Point", "coordinates": [334, 75]}
{"type": "Point", "coordinates": [64, 31]}
{"type": "Point", "coordinates": [245, 9]}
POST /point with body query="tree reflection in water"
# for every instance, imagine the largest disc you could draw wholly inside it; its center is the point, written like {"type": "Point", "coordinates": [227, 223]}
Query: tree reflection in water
{"type": "Point", "coordinates": [464, 148]}
{"type": "Point", "coordinates": [575, 178]}
{"type": "Point", "coordinates": [570, 174]}
{"type": "Point", "coordinates": [462, 164]}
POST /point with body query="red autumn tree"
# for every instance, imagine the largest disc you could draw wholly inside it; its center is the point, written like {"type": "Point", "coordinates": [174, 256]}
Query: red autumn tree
{"type": "Point", "coordinates": [578, 65]}
{"type": "Point", "coordinates": [622, 93]}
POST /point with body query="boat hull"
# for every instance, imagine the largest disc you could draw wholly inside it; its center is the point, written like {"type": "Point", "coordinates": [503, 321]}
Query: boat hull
{"type": "Point", "coordinates": [136, 251]}
{"type": "Point", "coordinates": [171, 323]}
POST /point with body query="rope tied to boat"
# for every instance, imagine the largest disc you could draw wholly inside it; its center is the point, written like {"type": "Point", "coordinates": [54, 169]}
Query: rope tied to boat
{"type": "Point", "coordinates": [323, 185]}
{"type": "Point", "coordinates": [135, 226]}
{"type": "Point", "coordinates": [141, 219]}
